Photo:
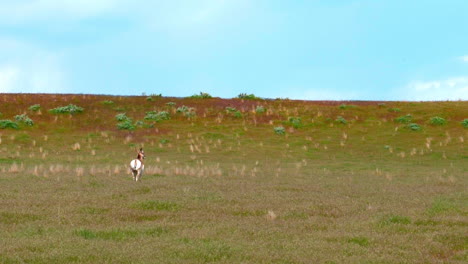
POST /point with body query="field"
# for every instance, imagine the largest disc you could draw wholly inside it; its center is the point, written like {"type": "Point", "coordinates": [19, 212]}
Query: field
{"type": "Point", "coordinates": [232, 180]}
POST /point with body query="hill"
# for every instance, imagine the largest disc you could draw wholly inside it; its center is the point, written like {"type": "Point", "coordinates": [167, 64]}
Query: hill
{"type": "Point", "coordinates": [231, 180]}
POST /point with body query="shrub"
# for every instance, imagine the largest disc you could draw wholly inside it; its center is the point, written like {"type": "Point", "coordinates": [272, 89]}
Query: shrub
{"type": "Point", "coordinates": [183, 109]}
{"type": "Point", "coordinates": [395, 110]}
{"type": "Point", "coordinates": [437, 121]}
{"type": "Point", "coordinates": [187, 111]}
{"type": "Point", "coordinates": [341, 120]}
{"type": "Point", "coordinates": [260, 109]}
{"type": "Point", "coordinates": [139, 123]}
{"type": "Point", "coordinates": [343, 106]}
{"type": "Point", "coordinates": [279, 130]}
{"type": "Point", "coordinates": [107, 102]}
{"type": "Point", "coordinates": [70, 109]}
{"type": "Point", "coordinates": [465, 123]}
{"type": "Point", "coordinates": [231, 109]}
{"type": "Point", "coordinates": [247, 96]}
{"type": "Point", "coordinates": [149, 99]}
{"type": "Point", "coordinates": [404, 119]}
{"type": "Point", "coordinates": [24, 119]}
{"type": "Point", "coordinates": [35, 107]}
{"type": "Point", "coordinates": [191, 113]}
{"type": "Point", "coordinates": [201, 96]}
{"type": "Point", "coordinates": [171, 104]}
{"type": "Point", "coordinates": [295, 122]}
{"type": "Point", "coordinates": [238, 114]}
{"type": "Point", "coordinates": [122, 117]}
{"type": "Point", "coordinates": [8, 124]}
{"type": "Point", "coordinates": [157, 116]}
{"type": "Point", "coordinates": [414, 127]}
{"type": "Point", "coordinates": [126, 125]}
{"type": "Point", "coordinates": [234, 112]}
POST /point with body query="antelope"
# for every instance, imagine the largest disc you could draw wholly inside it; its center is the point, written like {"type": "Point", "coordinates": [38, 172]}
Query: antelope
{"type": "Point", "coordinates": [137, 165]}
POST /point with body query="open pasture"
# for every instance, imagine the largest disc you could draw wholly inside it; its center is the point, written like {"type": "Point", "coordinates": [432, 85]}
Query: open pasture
{"type": "Point", "coordinates": [345, 182]}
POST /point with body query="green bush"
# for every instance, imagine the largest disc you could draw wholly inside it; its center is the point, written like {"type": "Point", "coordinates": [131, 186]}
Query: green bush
{"type": "Point", "coordinates": [139, 123]}
{"type": "Point", "coordinates": [107, 102]}
{"type": "Point", "coordinates": [149, 99]}
{"type": "Point", "coordinates": [201, 96]}
{"type": "Point", "coordinates": [157, 116]}
{"type": "Point", "coordinates": [279, 130]}
{"type": "Point", "coordinates": [465, 123]}
{"type": "Point", "coordinates": [187, 111]}
{"type": "Point", "coordinates": [69, 109]}
{"type": "Point", "coordinates": [234, 112]}
{"type": "Point", "coordinates": [35, 107]}
{"type": "Point", "coordinates": [395, 110]}
{"type": "Point", "coordinates": [404, 119]}
{"type": "Point", "coordinates": [414, 127]}
{"type": "Point", "coordinates": [343, 106]}
{"type": "Point", "coordinates": [341, 120]}
{"type": "Point", "coordinates": [8, 124]}
{"type": "Point", "coordinates": [247, 96]}
{"type": "Point", "coordinates": [182, 109]}
{"type": "Point", "coordinates": [24, 119]}
{"type": "Point", "coordinates": [437, 121]}
{"type": "Point", "coordinates": [126, 125]}
{"type": "Point", "coordinates": [295, 122]}
{"type": "Point", "coordinates": [231, 109]}
{"type": "Point", "coordinates": [171, 104]}
{"type": "Point", "coordinates": [122, 117]}
{"type": "Point", "coordinates": [260, 109]}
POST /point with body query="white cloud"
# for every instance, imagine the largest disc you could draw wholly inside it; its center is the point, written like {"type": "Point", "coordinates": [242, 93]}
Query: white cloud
{"type": "Point", "coordinates": [28, 69]}
{"type": "Point", "coordinates": [455, 88]}
{"type": "Point", "coordinates": [464, 58]}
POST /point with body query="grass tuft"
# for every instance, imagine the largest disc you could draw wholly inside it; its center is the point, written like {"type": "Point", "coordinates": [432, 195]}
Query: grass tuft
{"type": "Point", "coordinates": [157, 206]}
{"type": "Point", "coordinates": [442, 205]}
{"type": "Point", "coordinates": [361, 241]}
{"type": "Point", "coordinates": [394, 219]}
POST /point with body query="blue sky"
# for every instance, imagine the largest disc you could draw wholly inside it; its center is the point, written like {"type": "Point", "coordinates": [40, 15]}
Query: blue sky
{"type": "Point", "coordinates": [313, 50]}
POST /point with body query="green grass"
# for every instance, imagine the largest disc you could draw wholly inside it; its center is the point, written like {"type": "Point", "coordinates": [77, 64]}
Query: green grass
{"type": "Point", "coordinates": [220, 189]}
{"type": "Point", "coordinates": [157, 205]}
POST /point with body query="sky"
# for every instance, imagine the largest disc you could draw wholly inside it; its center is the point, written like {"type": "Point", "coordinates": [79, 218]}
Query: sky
{"type": "Point", "coordinates": [300, 49]}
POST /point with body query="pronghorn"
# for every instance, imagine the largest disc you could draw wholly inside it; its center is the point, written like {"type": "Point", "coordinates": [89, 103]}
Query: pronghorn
{"type": "Point", "coordinates": [137, 165]}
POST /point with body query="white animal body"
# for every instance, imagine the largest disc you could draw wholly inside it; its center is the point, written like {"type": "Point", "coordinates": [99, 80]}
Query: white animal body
{"type": "Point", "coordinates": [137, 168]}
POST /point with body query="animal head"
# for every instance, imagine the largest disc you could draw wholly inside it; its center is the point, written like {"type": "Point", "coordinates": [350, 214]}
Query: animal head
{"type": "Point", "coordinates": [142, 153]}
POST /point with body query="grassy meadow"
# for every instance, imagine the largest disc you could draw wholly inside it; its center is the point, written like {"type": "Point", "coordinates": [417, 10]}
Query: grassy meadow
{"type": "Point", "coordinates": [232, 180]}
